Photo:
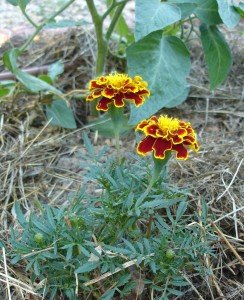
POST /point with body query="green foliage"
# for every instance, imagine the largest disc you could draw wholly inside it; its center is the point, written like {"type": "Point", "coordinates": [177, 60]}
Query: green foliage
{"type": "Point", "coordinates": [169, 62]}
{"type": "Point", "coordinates": [166, 60]}
{"type": "Point", "coordinates": [19, 2]}
{"type": "Point", "coordinates": [159, 53]}
{"type": "Point", "coordinates": [122, 29]}
{"type": "Point", "coordinates": [187, 7]}
{"type": "Point", "coordinates": [105, 126]}
{"type": "Point", "coordinates": [60, 114]}
{"type": "Point", "coordinates": [154, 15]}
{"type": "Point", "coordinates": [228, 13]}
{"type": "Point", "coordinates": [217, 54]}
{"type": "Point", "coordinates": [207, 12]}
{"type": "Point", "coordinates": [64, 248]}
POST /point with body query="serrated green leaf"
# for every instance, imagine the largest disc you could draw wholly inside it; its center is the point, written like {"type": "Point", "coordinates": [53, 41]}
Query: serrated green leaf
{"type": "Point", "coordinates": [207, 12]}
{"type": "Point", "coordinates": [69, 253]}
{"type": "Point", "coordinates": [87, 267]}
{"type": "Point", "coordinates": [88, 144]}
{"type": "Point", "coordinates": [20, 216]}
{"type": "Point", "coordinates": [60, 114]}
{"type": "Point", "coordinates": [50, 217]}
{"type": "Point", "coordinates": [36, 268]}
{"type": "Point", "coordinates": [162, 203]}
{"type": "Point", "coordinates": [108, 295]}
{"type": "Point", "coordinates": [40, 226]}
{"type": "Point", "coordinates": [181, 210]}
{"type": "Point", "coordinates": [175, 292]}
{"type": "Point", "coordinates": [217, 54]}
{"type": "Point", "coordinates": [129, 245]}
{"type": "Point", "coordinates": [15, 259]}
{"type": "Point", "coordinates": [228, 14]}
{"type": "Point", "coordinates": [154, 15]}
{"type": "Point", "coordinates": [123, 279]}
{"type": "Point", "coordinates": [168, 60]}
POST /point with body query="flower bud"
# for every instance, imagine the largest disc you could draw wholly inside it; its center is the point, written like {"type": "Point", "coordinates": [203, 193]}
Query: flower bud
{"type": "Point", "coordinates": [170, 254]}
{"type": "Point", "coordinates": [38, 238]}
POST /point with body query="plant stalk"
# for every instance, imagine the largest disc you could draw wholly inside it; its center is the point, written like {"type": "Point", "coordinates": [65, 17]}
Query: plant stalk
{"type": "Point", "coordinates": [116, 114]}
{"type": "Point", "coordinates": [115, 19]}
{"type": "Point", "coordinates": [41, 26]}
{"type": "Point", "coordinates": [159, 165]}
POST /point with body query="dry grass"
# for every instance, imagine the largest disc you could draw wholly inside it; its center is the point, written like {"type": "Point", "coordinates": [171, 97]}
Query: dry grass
{"type": "Point", "coordinates": [40, 163]}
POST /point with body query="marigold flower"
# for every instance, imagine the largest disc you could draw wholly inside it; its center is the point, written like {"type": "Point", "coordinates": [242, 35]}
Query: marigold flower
{"type": "Point", "coordinates": [166, 134]}
{"type": "Point", "coordinates": [115, 89]}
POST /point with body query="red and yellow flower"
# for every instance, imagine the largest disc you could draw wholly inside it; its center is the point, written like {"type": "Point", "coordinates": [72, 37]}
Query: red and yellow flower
{"type": "Point", "coordinates": [115, 89]}
{"type": "Point", "coordinates": [165, 134]}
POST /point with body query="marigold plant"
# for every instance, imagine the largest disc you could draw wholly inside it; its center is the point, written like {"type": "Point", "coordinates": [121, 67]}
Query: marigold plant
{"type": "Point", "coordinates": [115, 89]}
{"type": "Point", "coordinates": [166, 134]}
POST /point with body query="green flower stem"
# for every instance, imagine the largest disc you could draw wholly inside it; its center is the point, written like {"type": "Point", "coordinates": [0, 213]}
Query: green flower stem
{"type": "Point", "coordinates": [159, 165]}
{"type": "Point", "coordinates": [102, 47]}
{"type": "Point", "coordinates": [102, 40]}
{"type": "Point", "coordinates": [116, 115]}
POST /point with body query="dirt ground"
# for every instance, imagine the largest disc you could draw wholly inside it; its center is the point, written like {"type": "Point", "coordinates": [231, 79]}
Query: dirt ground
{"type": "Point", "coordinates": [38, 161]}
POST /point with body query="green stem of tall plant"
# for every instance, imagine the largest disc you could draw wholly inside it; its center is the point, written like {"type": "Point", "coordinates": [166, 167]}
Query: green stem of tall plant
{"type": "Point", "coordinates": [41, 26]}
{"type": "Point", "coordinates": [116, 115]}
{"type": "Point", "coordinates": [103, 39]}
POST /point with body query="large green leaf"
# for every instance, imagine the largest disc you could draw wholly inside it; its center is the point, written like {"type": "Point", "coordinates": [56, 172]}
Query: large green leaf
{"type": "Point", "coordinates": [17, 2]}
{"type": "Point", "coordinates": [187, 7]}
{"type": "Point", "coordinates": [33, 83]}
{"type": "Point", "coordinates": [60, 114]}
{"type": "Point", "coordinates": [228, 14]}
{"type": "Point", "coordinates": [164, 62]}
{"type": "Point", "coordinates": [207, 11]}
{"type": "Point", "coordinates": [154, 15]}
{"type": "Point", "coordinates": [217, 54]}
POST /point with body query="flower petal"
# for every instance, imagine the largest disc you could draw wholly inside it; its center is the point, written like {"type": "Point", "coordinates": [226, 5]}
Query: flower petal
{"type": "Point", "coordinates": [138, 100]}
{"type": "Point", "coordinates": [160, 146]}
{"type": "Point", "coordinates": [181, 151]}
{"type": "Point", "coordinates": [94, 85]}
{"type": "Point", "coordinates": [141, 125]}
{"type": "Point", "coordinates": [118, 100]}
{"type": "Point", "coordinates": [108, 93]}
{"type": "Point", "coordinates": [151, 130]}
{"type": "Point", "coordinates": [145, 145]}
{"type": "Point", "coordinates": [103, 104]}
